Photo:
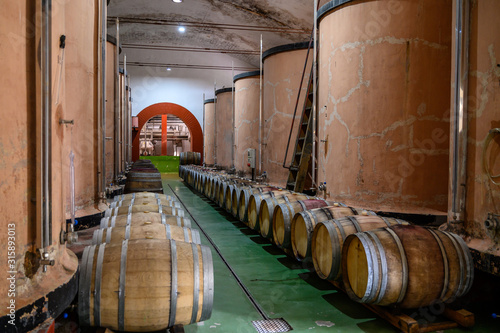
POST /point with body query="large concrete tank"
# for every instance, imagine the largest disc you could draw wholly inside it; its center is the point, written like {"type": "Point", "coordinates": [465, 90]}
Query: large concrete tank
{"type": "Point", "coordinates": [209, 132]}
{"type": "Point", "coordinates": [283, 68]}
{"type": "Point", "coordinates": [246, 117]}
{"type": "Point", "coordinates": [110, 107]}
{"type": "Point", "coordinates": [224, 128]}
{"type": "Point", "coordinates": [383, 102]}
{"type": "Point", "coordinates": [32, 296]}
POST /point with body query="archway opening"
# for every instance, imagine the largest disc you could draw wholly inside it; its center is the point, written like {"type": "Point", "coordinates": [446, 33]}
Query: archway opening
{"type": "Point", "coordinates": [166, 109]}
{"type": "Point", "coordinates": [164, 135]}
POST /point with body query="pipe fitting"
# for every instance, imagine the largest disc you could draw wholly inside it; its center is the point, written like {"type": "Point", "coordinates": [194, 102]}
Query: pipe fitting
{"type": "Point", "coordinates": [493, 222]}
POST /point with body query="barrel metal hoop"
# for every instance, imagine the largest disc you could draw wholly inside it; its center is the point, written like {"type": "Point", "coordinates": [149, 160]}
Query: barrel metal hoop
{"type": "Point", "coordinates": [121, 288]}
{"type": "Point", "coordinates": [158, 201]}
{"type": "Point", "coordinates": [107, 213]}
{"type": "Point", "coordinates": [108, 235]}
{"type": "Point", "coordinates": [196, 282]}
{"type": "Point", "coordinates": [104, 222]}
{"type": "Point", "coordinates": [383, 262]}
{"type": "Point", "coordinates": [386, 221]}
{"type": "Point", "coordinates": [129, 219]}
{"type": "Point", "coordinates": [373, 269]}
{"type": "Point", "coordinates": [404, 265]}
{"type": "Point", "coordinates": [163, 219]}
{"type": "Point", "coordinates": [84, 286]}
{"type": "Point", "coordinates": [208, 283]}
{"type": "Point", "coordinates": [179, 222]}
{"type": "Point", "coordinates": [132, 201]}
{"type": "Point", "coordinates": [129, 209]}
{"type": "Point", "coordinates": [127, 233]}
{"type": "Point", "coordinates": [113, 204]}
{"type": "Point", "coordinates": [195, 235]}
{"type": "Point", "coordinates": [341, 229]}
{"type": "Point", "coordinates": [186, 235]}
{"type": "Point", "coordinates": [173, 279]}
{"type": "Point", "coordinates": [157, 196]}
{"type": "Point", "coordinates": [160, 209]}
{"type": "Point", "coordinates": [469, 263]}
{"type": "Point", "coordinates": [446, 264]}
{"type": "Point", "coordinates": [303, 205]}
{"type": "Point", "coordinates": [285, 198]}
{"type": "Point", "coordinates": [168, 232]}
{"type": "Point", "coordinates": [97, 285]}
{"type": "Point", "coordinates": [327, 213]}
{"type": "Point", "coordinates": [462, 284]}
{"type": "Point", "coordinates": [112, 223]}
{"type": "Point", "coordinates": [95, 237]}
{"type": "Point", "coordinates": [133, 196]}
{"type": "Point", "coordinates": [354, 222]}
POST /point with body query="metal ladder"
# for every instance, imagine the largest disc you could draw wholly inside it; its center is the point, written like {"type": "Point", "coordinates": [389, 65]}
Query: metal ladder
{"type": "Point", "coordinates": [299, 177]}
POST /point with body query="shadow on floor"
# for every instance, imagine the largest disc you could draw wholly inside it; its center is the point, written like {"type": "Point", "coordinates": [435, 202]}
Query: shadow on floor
{"type": "Point", "coordinates": [312, 279]}
{"type": "Point", "coordinates": [344, 304]}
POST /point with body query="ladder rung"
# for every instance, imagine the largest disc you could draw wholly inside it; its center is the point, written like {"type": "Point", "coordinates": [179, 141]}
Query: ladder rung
{"type": "Point", "coordinates": [294, 168]}
{"type": "Point", "coordinates": [291, 184]}
{"type": "Point", "coordinates": [302, 138]}
{"type": "Point", "coordinates": [298, 153]}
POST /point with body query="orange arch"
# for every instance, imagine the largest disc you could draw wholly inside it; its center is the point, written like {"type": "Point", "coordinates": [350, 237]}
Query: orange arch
{"type": "Point", "coordinates": [170, 108]}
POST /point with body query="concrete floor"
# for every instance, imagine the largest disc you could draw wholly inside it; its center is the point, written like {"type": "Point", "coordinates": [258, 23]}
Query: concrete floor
{"type": "Point", "coordinates": [281, 286]}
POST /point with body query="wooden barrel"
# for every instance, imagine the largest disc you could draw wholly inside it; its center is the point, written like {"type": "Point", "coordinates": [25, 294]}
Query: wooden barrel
{"type": "Point", "coordinates": [140, 181]}
{"type": "Point", "coordinates": [303, 224]}
{"type": "Point", "coordinates": [244, 199]}
{"type": "Point", "coordinates": [125, 210]}
{"type": "Point", "coordinates": [145, 201]}
{"type": "Point", "coordinates": [284, 213]}
{"type": "Point", "coordinates": [266, 210]}
{"type": "Point", "coordinates": [144, 218]}
{"type": "Point", "coordinates": [114, 235]}
{"type": "Point", "coordinates": [145, 285]}
{"type": "Point", "coordinates": [329, 236]}
{"type": "Point", "coordinates": [407, 266]}
{"type": "Point", "coordinates": [197, 158]}
{"type": "Point", "coordinates": [138, 195]}
{"type": "Point", "coordinates": [254, 206]}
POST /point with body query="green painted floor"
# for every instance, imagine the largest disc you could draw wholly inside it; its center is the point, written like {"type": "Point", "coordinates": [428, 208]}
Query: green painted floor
{"type": "Point", "coordinates": [280, 285]}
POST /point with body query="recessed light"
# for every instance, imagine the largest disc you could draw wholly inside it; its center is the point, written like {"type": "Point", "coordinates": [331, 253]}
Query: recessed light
{"type": "Point", "coordinates": [181, 28]}
{"type": "Point", "coordinates": [177, 1]}
{"type": "Point", "coordinates": [169, 69]}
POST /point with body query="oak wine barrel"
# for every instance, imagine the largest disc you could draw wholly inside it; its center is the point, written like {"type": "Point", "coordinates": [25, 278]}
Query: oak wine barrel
{"type": "Point", "coordinates": [303, 224]}
{"type": "Point", "coordinates": [114, 235]}
{"type": "Point", "coordinates": [145, 285]}
{"type": "Point", "coordinates": [408, 266]}
{"type": "Point", "coordinates": [144, 218]}
{"type": "Point", "coordinates": [125, 210]}
{"type": "Point", "coordinates": [328, 238]}
{"type": "Point", "coordinates": [284, 213]}
{"type": "Point", "coordinates": [137, 195]}
{"type": "Point", "coordinates": [254, 206]}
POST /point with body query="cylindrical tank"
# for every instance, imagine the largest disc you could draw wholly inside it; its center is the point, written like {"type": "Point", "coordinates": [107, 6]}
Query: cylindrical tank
{"type": "Point", "coordinates": [383, 103]}
{"type": "Point", "coordinates": [33, 299]}
{"type": "Point", "coordinates": [110, 107]}
{"type": "Point", "coordinates": [283, 68]}
{"type": "Point", "coordinates": [246, 117]}
{"type": "Point", "coordinates": [224, 127]}
{"type": "Point", "coordinates": [209, 132]}
{"type": "Point", "coordinates": [483, 112]}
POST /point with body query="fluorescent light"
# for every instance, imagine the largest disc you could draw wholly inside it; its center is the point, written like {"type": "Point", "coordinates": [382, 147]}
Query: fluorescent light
{"type": "Point", "coordinates": [177, 1]}
{"type": "Point", "coordinates": [181, 28]}
{"type": "Point", "coordinates": [169, 69]}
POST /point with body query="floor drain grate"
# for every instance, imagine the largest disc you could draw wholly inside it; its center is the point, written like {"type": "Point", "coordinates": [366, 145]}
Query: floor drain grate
{"type": "Point", "coordinates": [272, 326]}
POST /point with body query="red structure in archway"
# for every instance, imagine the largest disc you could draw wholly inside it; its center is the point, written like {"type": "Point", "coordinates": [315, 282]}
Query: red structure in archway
{"type": "Point", "coordinates": [170, 108]}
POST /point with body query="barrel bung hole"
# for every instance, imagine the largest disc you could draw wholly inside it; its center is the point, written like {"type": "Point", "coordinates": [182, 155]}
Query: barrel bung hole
{"type": "Point", "coordinates": [357, 267]}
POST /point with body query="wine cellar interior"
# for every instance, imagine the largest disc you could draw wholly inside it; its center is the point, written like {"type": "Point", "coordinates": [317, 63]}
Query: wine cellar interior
{"type": "Point", "coordinates": [250, 166]}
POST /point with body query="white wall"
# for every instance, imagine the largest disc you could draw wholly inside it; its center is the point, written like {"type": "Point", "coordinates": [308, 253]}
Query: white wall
{"type": "Point", "coordinates": [151, 85]}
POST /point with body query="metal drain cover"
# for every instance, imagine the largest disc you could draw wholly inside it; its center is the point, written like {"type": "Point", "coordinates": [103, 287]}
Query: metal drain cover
{"type": "Point", "coordinates": [272, 326]}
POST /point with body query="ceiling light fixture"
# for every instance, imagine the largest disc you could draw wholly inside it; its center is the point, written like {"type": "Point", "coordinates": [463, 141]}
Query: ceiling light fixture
{"type": "Point", "coordinates": [177, 1]}
{"type": "Point", "coordinates": [169, 69]}
{"type": "Point", "coordinates": [181, 28]}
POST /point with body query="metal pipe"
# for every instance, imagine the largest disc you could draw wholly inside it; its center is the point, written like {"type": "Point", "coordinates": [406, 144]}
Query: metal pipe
{"type": "Point", "coordinates": [204, 133]}
{"type": "Point", "coordinates": [129, 113]}
{"type": "Point", "coordinates": [232, 102]}
{"type": "Point", "coordinates": [124, 113]}
{"type": "Point", "coordinates": [46, 84]}
{"type": "Point", "coordinates": [458, 121]}
{"type": "Point", "coordinates": [315, 84]}
{"type": "Point", "coordinates": [104, 9]}
{"type": "Point", "coordinates": [215, 123]}
{"type": "Point", "coordinates": [260, 108]}
{"type": "Point", "coordinates": [117, 105]}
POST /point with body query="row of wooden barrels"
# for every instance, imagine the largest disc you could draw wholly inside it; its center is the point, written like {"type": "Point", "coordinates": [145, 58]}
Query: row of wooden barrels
{"type": "Point", "coordinates": [189, 157]}
{"type": "Point", "coordinates": [146, 269]}
{"type": "Point", "coordinates": [380, 260]}
{"type": "Point", "coordinates": [143, 177]}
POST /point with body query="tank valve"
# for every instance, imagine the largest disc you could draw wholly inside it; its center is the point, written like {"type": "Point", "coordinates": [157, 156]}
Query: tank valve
{"type": "Point", "coordinates": [493, 222]}
{"type": "Point", "coordinates": [322, 188]}
{"type": "Point", "coordinates": [46, 261]}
